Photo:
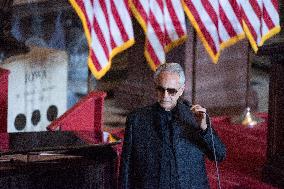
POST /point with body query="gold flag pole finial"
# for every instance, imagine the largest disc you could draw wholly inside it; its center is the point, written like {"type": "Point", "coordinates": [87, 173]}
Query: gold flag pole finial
{"type": "Point", "coordinates": [248, 120]}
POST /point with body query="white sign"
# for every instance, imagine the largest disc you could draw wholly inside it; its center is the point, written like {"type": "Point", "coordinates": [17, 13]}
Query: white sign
{"type": "Point", "coordinates": [37, 89]}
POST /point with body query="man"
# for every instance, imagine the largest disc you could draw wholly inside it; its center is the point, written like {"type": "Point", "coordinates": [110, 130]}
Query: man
{"type": "Point", "coordinates": [165, 143]}
{"type": "Point", "coordinates": [9, 45]}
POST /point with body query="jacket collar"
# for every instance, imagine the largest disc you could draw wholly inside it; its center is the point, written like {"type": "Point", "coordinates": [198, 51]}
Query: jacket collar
{"type": "Point", "coordinates": [181, 114]}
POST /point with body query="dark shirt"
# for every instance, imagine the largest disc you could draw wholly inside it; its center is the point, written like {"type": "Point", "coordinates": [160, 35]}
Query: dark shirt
{"type": "Point", "coordinates": [168, 176]}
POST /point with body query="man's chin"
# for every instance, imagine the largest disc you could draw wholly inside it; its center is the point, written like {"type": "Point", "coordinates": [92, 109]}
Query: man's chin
{"type": "Point", "coordinates": [166, 105]}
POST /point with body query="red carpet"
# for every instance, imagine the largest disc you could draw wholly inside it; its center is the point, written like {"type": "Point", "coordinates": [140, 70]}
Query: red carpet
{"type": "Point", "coordinates": [246, 153]}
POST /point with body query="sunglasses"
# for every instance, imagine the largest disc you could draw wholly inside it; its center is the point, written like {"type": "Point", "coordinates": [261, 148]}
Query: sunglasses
{"type": "Point", "coordinates": [170, 91]}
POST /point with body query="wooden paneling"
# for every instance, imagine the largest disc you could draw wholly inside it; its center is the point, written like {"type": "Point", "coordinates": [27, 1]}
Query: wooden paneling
{"type": "Point", "coordinates": [273, 171]}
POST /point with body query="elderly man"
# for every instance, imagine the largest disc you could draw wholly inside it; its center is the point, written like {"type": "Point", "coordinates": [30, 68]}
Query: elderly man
{"type": "Point", "coordinates": [165, 144]}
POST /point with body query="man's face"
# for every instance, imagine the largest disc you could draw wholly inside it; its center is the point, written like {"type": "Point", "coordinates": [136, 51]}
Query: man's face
{"type": "Point", "coordinates": [168, 90]}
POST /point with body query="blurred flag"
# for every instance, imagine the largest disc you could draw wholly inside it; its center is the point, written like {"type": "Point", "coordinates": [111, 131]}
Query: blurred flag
{"type": "Point", "coordinates": [260, 20]}
{"type": "Point", "coordinates": [230, 23]}
{"type": "Point", "coordinates": [108, 29]}
{"type": "Point", "coordinates": [163, 22]}
{"type": "Point", "coordinates": [270, 19]}
{"type": "Point", "coordinates": [221, 23]}
{"type": "Point", "coordinates": [204, 16]}
{"type": "Point", "coordinates": [251, 13]}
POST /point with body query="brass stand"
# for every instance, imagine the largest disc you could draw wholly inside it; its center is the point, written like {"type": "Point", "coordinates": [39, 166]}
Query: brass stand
{"type": "Point", "coordinates": [247, 119]}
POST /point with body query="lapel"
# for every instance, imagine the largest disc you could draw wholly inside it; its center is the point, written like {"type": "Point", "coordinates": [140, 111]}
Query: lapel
{"type": "Point", "coordinates": [185, 119]}
{"type": "Point", "coordinates": [161, 126]}
{"type": "Point", "coordinates": [183, 122]}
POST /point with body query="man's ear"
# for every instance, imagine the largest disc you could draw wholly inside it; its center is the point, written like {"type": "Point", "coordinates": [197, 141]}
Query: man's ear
{"type": "Point", "coordinates": [182, 90]}
{"type": "Point", "coordinates": [183, 87]}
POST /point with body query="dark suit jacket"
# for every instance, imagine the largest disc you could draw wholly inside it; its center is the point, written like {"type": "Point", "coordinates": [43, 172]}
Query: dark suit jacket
{"type": "Point", "coordinates": [141, 153]}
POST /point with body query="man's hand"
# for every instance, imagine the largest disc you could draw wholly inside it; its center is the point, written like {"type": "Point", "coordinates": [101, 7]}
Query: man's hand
{"type": "Point", "coordinates": [200, 116]}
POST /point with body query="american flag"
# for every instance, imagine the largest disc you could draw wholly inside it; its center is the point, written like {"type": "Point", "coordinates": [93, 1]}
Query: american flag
{"type": "Point", "coordinates": [108, 29]}
{"type": "Point", "coordinates": [230, 23]}
{"type": "Point", "coordinates": [163, 22]}
{"type": "Point", "coordinates": [221, 23]}
{"type": "Point", "coordinates": [260, 20]}
{"type": "Point", "coordinates": [270, 19]}
{"type": "Point", "coordinates": [251, 18]}
{"type": "Point", "coordinates": [204, 16]}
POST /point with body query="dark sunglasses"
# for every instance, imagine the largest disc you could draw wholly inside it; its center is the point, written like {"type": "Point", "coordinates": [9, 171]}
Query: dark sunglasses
{"type": "Point", "coordinates": [170, 91]}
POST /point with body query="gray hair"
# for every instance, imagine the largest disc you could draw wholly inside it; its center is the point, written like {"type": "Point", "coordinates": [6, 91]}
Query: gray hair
{"type": "Point", "coordinates": [173, 68]}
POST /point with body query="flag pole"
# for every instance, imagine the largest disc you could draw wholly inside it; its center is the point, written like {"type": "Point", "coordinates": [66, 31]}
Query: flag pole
{"type": "Point", "coordinates": [194, 51]}
{"type": "Point", "coordinates": [247, 118]}
{"type": "Point", "coordinates": [248, 75]}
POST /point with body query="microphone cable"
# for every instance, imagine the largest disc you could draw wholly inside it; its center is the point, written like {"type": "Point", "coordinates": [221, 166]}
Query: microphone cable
{"type": "Point", "coordinates": [214, 151]}
{"type": "Point", "coordinates": [213, 143]}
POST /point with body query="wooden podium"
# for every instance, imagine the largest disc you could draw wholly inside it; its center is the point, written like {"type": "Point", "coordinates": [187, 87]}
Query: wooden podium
{"type": "Point", "coordinates": [273, 171]}
{"type": "Point", "coordinates": [58, 159]}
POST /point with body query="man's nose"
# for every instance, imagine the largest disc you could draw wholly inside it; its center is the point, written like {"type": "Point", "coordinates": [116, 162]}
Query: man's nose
{"type": "Point", "coordinates": [165, 94]}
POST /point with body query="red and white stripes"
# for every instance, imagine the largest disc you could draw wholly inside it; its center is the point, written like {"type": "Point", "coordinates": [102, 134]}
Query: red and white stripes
{"type": "Point", "coordinates": [108, 28]}
{"type": "Point", "coordinates": [164, 25]}
{"type": "Point", "coordinates": [270, 19]}
{"type": "Point", "coordinates": [230, 24]}
{"type": "Point", "coordinates": [175, 24]}
{"type": "Point", "coordinates": [203, 15]}
{"type": "Point", "coordinates": [251, 11]}
{"type": "Point", "coordinates": [260, 20]}
{"type": "Point", "coordinates": [219, 24]}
